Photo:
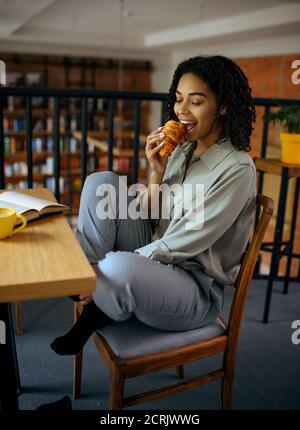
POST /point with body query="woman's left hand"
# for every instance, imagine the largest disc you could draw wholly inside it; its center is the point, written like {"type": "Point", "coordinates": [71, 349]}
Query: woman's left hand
{"type": "Point", "coordinates": [85, 299]}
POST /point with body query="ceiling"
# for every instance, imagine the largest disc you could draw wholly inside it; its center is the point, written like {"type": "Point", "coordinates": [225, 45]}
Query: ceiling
{"type": "Point", "coordinates": [153, 26]}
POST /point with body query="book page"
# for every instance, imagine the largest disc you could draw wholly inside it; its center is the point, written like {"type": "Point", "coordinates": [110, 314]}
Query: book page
{"type": "Point", "coordinates": [28, 213]}
{"type": "Point", "coordinates": [29, 202]}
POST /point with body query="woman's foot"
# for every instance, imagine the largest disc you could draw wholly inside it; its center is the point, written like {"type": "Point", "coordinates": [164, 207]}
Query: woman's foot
{"type": "Point", "coordinates": [91, 319]}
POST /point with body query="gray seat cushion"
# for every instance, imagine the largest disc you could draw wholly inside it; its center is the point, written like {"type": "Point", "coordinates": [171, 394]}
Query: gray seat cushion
{"type": "Point", "coordinates": [132, 338]}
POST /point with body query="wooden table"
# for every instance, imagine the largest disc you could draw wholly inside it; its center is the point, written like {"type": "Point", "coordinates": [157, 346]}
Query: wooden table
{"type": "Point", "coordinates": [285, 171]}
{"type": "Point", "coordinates": [44, 260]}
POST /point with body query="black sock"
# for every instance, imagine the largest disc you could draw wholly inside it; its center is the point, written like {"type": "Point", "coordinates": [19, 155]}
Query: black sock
{"type": "Point", "coordinates": [91, 319]}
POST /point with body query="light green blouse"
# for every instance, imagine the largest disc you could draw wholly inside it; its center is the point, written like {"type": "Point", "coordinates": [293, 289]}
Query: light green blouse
{"type": "Point", "coordinates": [212, 252]}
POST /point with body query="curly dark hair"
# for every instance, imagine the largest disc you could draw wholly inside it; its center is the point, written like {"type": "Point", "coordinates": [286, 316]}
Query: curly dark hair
{"type": "Point", "coordinates": [231, 88]}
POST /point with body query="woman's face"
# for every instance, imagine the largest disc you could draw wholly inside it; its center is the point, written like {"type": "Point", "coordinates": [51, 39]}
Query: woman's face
{"type": "Point", "coordinates": [196, 107]}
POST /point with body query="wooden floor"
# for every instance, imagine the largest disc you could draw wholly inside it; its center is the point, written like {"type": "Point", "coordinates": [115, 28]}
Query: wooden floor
{"type": "Point", "coordinates": [268, 367]}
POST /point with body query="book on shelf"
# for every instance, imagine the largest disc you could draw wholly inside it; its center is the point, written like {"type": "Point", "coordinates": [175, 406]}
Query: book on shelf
{"type": "Point", "coordinates": [31, 207]}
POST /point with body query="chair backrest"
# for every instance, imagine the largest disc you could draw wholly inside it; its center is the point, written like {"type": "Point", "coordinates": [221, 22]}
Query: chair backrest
{"type": "Point", "coordinates": [248, 262]}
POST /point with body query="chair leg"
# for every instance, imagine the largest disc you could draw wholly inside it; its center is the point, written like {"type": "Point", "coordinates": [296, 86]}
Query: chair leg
{"type": "Point", "coordinates": [179, 371]}
{"type": "Point", "coordinates": [116, 390]}
{"type": "Point", "coordinates": [77, 373]}
{"type": "Point", "coordinates": [227, 385]}
{"type": "Point", "coordinates": [77, 364]}
{"type": "Point", "coordinates": [19, 318]}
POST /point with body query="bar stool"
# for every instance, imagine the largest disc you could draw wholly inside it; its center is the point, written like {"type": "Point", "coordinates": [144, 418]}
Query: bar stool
{"type": "Point", "coordinates": [285, 171]}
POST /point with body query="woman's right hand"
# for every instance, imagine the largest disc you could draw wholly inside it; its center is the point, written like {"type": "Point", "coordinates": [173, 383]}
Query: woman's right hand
{"type": "Point", "coordinates": [153, 146]}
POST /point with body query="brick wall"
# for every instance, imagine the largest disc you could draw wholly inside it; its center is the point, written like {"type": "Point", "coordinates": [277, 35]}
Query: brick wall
{"type": "Point", "coordinates": [270, 77]}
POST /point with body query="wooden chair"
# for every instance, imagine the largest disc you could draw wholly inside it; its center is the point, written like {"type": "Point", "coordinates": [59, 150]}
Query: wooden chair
{"type": "Point", "coordinates": [131, 348]}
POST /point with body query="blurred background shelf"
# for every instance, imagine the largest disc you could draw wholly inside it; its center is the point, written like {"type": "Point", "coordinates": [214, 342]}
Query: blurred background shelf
{"type": "Point", "coordinates": [71, 72]}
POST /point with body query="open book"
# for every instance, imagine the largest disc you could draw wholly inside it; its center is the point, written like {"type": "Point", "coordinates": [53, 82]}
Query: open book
{"type": "Point", "coordinates": [30, 207]}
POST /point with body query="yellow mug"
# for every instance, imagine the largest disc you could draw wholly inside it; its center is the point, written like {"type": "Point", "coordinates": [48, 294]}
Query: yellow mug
{"type": "Point", "coordinates": [8, 218]}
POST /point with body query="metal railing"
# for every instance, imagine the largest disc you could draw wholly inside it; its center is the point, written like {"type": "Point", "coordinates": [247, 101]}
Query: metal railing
{"type": "Point", "coordinates": [111, 96]}
{"type": "Point", "coordinates": [83, 95]}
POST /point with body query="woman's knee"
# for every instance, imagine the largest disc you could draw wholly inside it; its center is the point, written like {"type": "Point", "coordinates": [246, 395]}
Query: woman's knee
{"type": "Point", "coordinates": [115, 294]}
{"type": "Point", "coordinates": [119, 266]}
{"type": "Point", "coordinates": [98, 178]}
{"type": "Point", "coordinates": [92, 183]}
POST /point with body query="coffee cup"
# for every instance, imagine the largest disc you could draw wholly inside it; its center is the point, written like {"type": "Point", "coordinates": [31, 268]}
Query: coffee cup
{"type": "Point", "coordinates": [8, 219]}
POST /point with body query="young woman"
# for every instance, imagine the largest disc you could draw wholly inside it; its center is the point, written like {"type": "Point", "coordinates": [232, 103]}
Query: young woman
{"type": "Point", "coordinates": [165, 273]}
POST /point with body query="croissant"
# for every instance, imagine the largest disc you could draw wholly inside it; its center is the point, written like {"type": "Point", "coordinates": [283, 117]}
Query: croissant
{"type": "Point", "coordinates": [174, 135]}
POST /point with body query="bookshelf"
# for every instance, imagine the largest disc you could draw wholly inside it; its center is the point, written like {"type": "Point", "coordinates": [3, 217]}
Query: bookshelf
{"type": "Point", "coordinates": [63, 72]}
{"type": "Point", "coordinates": [122, 158]}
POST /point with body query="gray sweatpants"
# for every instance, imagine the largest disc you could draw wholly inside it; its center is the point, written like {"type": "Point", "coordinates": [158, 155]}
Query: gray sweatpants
{"type": "Point", "coordinates": [163, 296]}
